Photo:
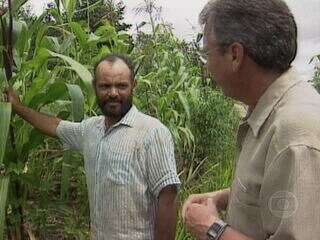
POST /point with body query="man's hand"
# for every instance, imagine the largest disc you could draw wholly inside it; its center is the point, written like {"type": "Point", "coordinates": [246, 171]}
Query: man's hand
{"type": "Point", "coordinates": [219, 198]}
{"type": "Point", "coordinates": [192, 199]}
{"type": "Point", "coordinates": [12, 97]}
{"type": "Point", "coordinates": [200, 216]}
{"type": "Point", "coordinates": [43, 122]}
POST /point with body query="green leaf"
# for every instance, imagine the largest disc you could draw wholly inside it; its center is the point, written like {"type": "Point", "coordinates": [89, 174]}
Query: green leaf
{"type": "Point", "coordinates": [34, 26]}
{"type": "Point", "coordinates": [67, 42]}
{"type": "Point", "coordinates": [70, 6]}
{"type": "Point", "coordinates": [36, 87]}
{"type": "Point", "coordinates": [93, 38]}
{"type": "Point", "coordinates": [17, 4]}
{"type": "Point", "coordinates": [35, 139]}
{"type": "Point", "coordinates": [77, 99]}
{"type": "Point", "coordinates": [4, 185]}
{"type": "Point", "coordinates": [20, 32]}
{"type": "Point", "coordinates": [80, 69]}
{"type": "Point", "coordinates": [184, 103]}
{"type": "Point", "coordinates": [51, 43]}
{"type": "Point", "coordinates": [65, 175]}
{"type": "Point", "coordinates": [41, 31]}
{"type": "Point", "coordinates": [40, 58]}
{"type": "Point", "coordinates": [3, 78]}
{"type": "Point", "coordinates": [5, 116]}
{"type": "Point", "coordinates": [188, 134]}
{"type": "Point", "coordinates": [82, 72]}
{"type": "Point", "coordinates": [80, 33]}
{"type": "Point", "coordinates": [107, 31]}
{"type": "Point", "coordinates": [56, 91]}
{"type": "Point", "coordinates": [102, 52]}
{"type": "Point", "coordinates": [182, 78]}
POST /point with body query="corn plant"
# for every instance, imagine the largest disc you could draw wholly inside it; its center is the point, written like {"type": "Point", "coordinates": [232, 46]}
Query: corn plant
{"type": "Point", "coordinates": [5, 113]}
{"type": "Point", "coordinates": [168, 84]}
{"type": "Point", "coordinates": [52, 74]}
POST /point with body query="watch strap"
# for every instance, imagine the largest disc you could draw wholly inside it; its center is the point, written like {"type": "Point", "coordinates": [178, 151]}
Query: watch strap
{"type": "Point", "coordinates": [216, 229]}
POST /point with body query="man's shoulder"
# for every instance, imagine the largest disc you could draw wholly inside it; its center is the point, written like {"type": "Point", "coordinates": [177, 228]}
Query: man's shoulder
{"type": "Point", "coordinates": [150, 127]}
{"type": "Point", "coordinates": [149, 122]}
{"type": "Point", "coordinates": [92, 121]}
{"type": "Point", "coordinates": [299, 107]}
{"type": "Point", "coordinates": [298, 120]}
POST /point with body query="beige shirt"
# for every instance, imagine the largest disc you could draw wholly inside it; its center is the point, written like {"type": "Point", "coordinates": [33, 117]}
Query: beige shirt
{"type": "Point", "coordinates": [276, 189]}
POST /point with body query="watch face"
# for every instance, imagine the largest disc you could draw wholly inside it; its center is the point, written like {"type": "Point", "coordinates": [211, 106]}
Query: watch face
{"type": "Point", "coordinates": [211, 234]}
{"type": "Point", "coordinates": [216, 229]}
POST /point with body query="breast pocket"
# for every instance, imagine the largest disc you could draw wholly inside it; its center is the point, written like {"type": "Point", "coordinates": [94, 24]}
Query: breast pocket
{"type": "Point", "coordinates": [244, 211]}
{"type": "Point", "coordinates": [119, 168]}
{"type": "Point", "coordinates": [243, 194]}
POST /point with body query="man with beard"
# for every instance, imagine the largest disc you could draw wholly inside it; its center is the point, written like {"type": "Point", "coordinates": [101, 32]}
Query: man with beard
{"type": "Point", "coordinates": [129, 158]}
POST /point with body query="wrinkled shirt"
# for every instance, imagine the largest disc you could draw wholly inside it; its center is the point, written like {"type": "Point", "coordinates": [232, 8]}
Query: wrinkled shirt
{"type": "Point", "coordinates": [276, 189]}
{"type": "Point", "coordinates": [126, 168]}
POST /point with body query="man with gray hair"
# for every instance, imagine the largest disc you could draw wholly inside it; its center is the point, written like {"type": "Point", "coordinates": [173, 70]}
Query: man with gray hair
{"type": "Point", "coordinates": [249, 46]}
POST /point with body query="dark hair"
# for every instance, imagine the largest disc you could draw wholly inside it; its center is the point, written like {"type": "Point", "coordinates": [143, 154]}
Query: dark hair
{"type": "Point", "coordinates": [266, 29]}
{"type": "Point", "coordinates": [112, 58]}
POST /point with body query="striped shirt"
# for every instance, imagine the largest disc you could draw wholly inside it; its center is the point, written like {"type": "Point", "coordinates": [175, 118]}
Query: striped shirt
{"type": "Point", "coordinates": [126, 167]}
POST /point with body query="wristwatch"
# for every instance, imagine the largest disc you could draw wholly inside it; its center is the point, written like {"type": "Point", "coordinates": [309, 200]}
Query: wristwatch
{"type": "Point", "coordinates": [216, 229]}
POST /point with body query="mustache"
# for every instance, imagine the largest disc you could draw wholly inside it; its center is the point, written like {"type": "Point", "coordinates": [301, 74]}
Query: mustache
{"type": "Point", "coordinates": [114, 100]}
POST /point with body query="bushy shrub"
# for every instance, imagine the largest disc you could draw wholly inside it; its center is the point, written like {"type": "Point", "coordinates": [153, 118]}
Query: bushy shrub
{"type": "Point", "coordinates": [214, 123]}
{"type": "Point", "coordinates": [316, 77]}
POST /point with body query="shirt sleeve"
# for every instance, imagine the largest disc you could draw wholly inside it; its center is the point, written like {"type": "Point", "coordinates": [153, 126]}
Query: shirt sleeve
{"type": "Point", "coordinates": [161, 165]}
{"type": "Point", "coordinates": [71, 134]}
{"type": "Point", "coordinates": [291, 194]}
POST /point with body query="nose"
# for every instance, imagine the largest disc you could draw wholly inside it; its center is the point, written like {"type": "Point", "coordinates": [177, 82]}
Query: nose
{"type": "Point", "coordinates": [113, 92]}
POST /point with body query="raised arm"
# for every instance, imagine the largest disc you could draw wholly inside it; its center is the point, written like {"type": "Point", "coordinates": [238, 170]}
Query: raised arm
{"type": "Point", "coordinates": [43, 122]}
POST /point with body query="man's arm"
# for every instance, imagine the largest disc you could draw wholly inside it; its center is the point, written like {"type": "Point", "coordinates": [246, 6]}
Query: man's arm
{"type": "Point", "coordinates": [231, 234]}
{"type": "Point", "coordinates": [43, 122]}
{"type": "Point", "coordinates": [163, 181]}
{"type": "Point", "coordinates": [200, 216]}
{"type": "Point", "coordinates": [290, 193]}
{"type": "Point", "coordinates": [165, 225]}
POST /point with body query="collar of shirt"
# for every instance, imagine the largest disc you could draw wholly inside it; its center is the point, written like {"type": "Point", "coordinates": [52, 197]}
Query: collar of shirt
{"type": "Point", "coordinates": [270, 98]}
{"type": "Point", "coordinates": [127, 120]}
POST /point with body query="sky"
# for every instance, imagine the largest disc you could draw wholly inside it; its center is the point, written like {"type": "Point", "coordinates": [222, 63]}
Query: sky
{"type": "Point", "coordinates": [183, 15]}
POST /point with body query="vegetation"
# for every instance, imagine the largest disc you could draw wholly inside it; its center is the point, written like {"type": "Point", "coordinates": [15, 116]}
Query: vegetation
{"type": "Point", "coordinates": [49, 60]}
{"type": "Point", "coordinates": [316, 76]}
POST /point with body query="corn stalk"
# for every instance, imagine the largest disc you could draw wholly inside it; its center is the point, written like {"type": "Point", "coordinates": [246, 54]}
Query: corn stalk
{"type": "Point", "coordinates": [8, 63]}
{"type": "Point", "coordinates": [5, 113]}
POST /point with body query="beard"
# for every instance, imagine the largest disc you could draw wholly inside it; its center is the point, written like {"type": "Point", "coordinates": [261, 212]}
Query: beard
{"type": "Point", "coordinates": [117, 112]}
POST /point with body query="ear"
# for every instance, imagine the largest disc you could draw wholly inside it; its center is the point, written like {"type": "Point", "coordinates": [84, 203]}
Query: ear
{"type": "Point", "coordinates": [236, 51]}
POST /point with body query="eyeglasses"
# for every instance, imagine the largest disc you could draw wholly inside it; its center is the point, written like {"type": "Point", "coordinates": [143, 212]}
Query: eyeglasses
{"type": "Point", "coordinates": [204, 55]}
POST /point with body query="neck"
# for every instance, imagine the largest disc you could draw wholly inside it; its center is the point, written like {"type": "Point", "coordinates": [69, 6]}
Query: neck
{"type": "Point", "coordinates": [110, 121]}
{"type": "Point", "coordinates": [258, 82]}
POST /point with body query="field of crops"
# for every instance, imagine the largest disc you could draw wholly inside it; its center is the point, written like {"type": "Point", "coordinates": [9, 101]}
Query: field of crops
{"type": "Point", "coordinates": [49, 60]}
